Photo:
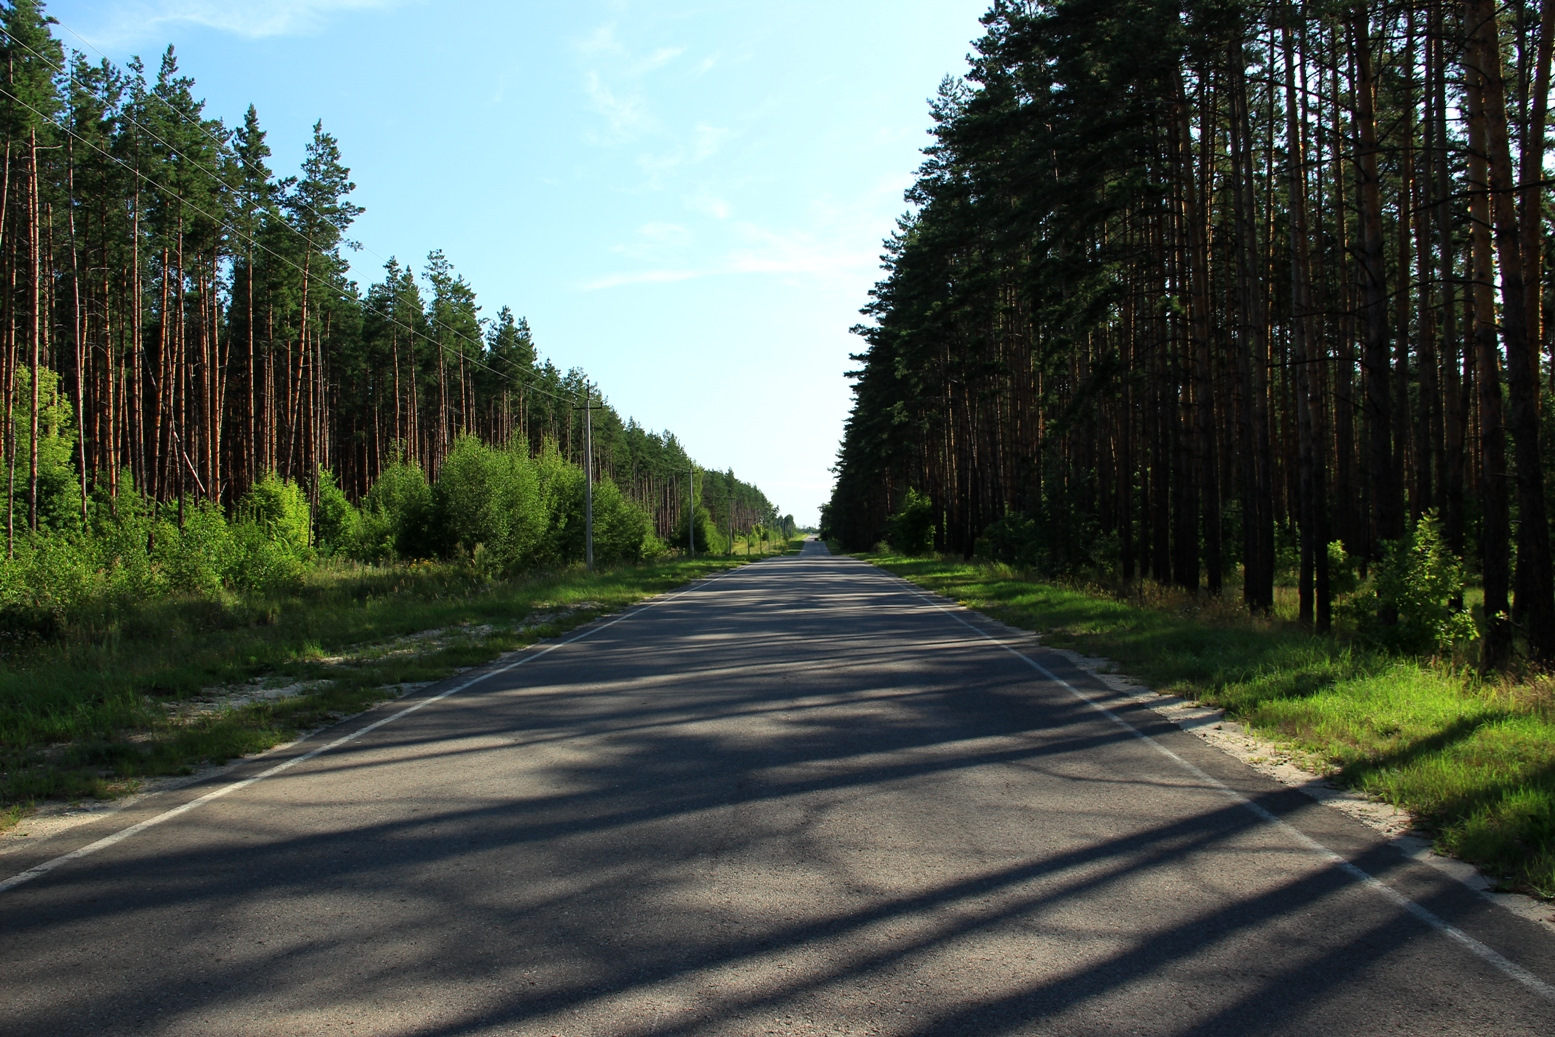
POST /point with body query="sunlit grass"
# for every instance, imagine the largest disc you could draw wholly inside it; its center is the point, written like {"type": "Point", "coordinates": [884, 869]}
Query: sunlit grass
{"type": "Point", "coordinates": [1473, 760]}
{"type": "Point", "coordinates": [752, 547]}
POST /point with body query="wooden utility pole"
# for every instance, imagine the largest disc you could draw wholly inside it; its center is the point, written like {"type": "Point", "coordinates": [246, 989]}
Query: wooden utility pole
{"type": "Point", "coordinates": [588, 478]}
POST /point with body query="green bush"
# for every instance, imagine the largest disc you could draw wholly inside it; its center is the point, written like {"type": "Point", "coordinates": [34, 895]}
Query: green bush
{"type": "Point", "coordinates": [1012, 540]}
{"type": "Point", "coordinates": [1342, 577]}
{"type": "Point", "coordinates": [561, 501]}
{"type": "Point", "coordinates": [911, 530]}
{"type": "Point", "coordinates": [397, 516]}
{"type": "Point", "coordinates": [263, 563]}
{"type": "Point", "coordinates": [278, 507]}
{"type": "Point", "coordinates": [59, 485]}
{"type": "Point", "coordinates": [271, 537]}
{"type": "Point", "coordinates": [490, 499]}
{"type": "Point", "coordinates": [1407, 604]}
{"type": "Point", "coordinates": [622, 529]}
{"type": "Point", "coordinates": [708, 539]}
{"type": "Point", "coordinates": [51, 576]}
{"type": "Point", "coordinates": [121, 536]}
{"type": "Point", "coordinates": [338, 522]}
{"type": "Point", "coordinates": [199, 556]}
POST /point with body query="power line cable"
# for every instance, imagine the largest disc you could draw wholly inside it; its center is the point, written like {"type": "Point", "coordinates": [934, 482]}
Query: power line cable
{"type": "Point", "coordinates": [230, 226]}
{"type": "Point", "coordinates": [199, 125]}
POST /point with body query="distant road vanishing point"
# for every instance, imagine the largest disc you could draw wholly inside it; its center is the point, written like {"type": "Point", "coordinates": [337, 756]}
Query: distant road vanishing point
{"type": "Point", "coordinates": [799, 798]}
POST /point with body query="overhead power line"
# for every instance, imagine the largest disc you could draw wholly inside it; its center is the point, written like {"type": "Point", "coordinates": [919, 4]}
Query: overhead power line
{"type": "Point", "coordinates": [249, 239]}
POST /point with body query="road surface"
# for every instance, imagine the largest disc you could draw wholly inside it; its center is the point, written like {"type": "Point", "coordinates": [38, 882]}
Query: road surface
{"type": "Point", "coordinates": [799, 798]}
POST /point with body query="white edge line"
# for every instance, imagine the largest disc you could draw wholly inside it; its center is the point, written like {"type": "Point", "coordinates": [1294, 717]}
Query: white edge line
{"type": "Point", "coordinates": [1487, 954]}
{"type": "Point", "coordinates": [167, 815]}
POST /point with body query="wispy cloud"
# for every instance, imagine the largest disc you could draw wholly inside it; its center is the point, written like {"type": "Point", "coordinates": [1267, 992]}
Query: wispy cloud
{"type": "Point", "coordinates": [665, 233]}
{"type": "Point", "coordinates": [625, 113]}
{"type": "Point", "coordinates": [254, 19]}
{"type": "Point", "coordinates": [702, 144]}
{"type": "Point", "coordinates": [603, 42]}
{"type": "Point", "coordinates": [655, 61]}
{"type": "Point", "coordinates": [613, 76]}
{"type": "Point", "coordinates": [640, 277]}
{"type": "Point", "coordinates": [657, 243]}
{"type": "Point", "coordinates": [757, 250]}
{"type": "Point", "coordinates": [709, 205]}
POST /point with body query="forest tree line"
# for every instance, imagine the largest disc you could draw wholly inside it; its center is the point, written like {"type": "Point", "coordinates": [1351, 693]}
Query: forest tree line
{"type": "Point", "coordinates": [177, 321]}
{"type": "Point", "coordinates": [1194, 289]}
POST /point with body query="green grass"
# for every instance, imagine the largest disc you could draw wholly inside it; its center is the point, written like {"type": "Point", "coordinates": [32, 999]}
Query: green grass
{"type": "Point", "coordinates": [747, 548]}
{"type": "Point", "coordinates": [104, 703]}
{"type": "Point", "coordinates": [1474, 761]}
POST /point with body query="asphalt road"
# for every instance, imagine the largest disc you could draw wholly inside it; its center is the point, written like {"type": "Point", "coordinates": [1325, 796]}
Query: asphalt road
{"type": "Point", "coordinates": [801, 798]}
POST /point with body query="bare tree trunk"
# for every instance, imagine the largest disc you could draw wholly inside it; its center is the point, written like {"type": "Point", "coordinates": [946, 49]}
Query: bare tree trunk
{"type": "Point", "coordinates": [1252, 358]}
{"type": "Point", "coordinates": [1198, 322]}
{"type": "Point", "coordinates": [1314, 604]}
{"type": "Point", "coordinates": [78, 325]}
{"type": "Point", "coordinates": [1535, 580]}
{"type": "Point", "coordinates": [1495, 533]}
{"type": "Point", "coordinates": [1387, 513]}
{"type": "Point", "coordinates": [1531, 192]}
{"type": "Point", "coordinates": [35, 332]}
{"type": "Point", "coordinates": [9, 374]}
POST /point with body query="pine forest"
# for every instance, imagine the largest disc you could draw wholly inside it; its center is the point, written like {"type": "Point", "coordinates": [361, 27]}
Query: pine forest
{"type": "Point", "coordinates": [185, 358]}
{"type": "Point", "coordinates": [1230, 296]}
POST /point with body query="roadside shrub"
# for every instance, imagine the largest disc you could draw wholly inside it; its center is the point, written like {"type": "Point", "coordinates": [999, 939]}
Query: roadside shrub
{"type": "Point", "coordinates": [706, 535]}
{"type": "Point", "coordinates": [623, 532]}
{"type": "Point", "coordinates": [490, 499]}
{"type": "Point", "coordinates": [621, 528]}
{"type": "Point", "coordinates": [397, 515]}
{"type": "Point", "coordinates": [911, 530]}
{"type": "Point", "coordinates": [200, 556]}
{"type": "Point", "coordinates": [271, 536]}
{"type": "Point", "coordinates": [278, 507]}
{"type": "Point", "coordinates": [1051, 544]}
{"type": "Point", "coordinates": [338, 522]}
{"type": "Point", "coordinates": [51, 575]}
{"type": "Point", "coordinates": [561, 501]}
{"type": "Point", "coordinates": [1407, 603]}
{"type": "Point", "coordinates": [263, 563]}
{"type": "Point", "coordinates": [1342, 577]}
{"type": "Point", "coordinates": [1012, 540]}
{"type": "Point", "coordinates": [59, 487]}
{"type": "Point", "coordinates": [121, 538]}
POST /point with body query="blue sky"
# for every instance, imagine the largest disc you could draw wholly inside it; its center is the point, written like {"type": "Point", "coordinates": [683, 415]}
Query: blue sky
{"type": "Point", "coordinates": [685, 199]}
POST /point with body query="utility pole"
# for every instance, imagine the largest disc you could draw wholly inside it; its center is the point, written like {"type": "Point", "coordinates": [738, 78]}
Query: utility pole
{"type": "Point", "coordinates": [588, 478]}
{"type": "Point", "coordinates": [691, 511]}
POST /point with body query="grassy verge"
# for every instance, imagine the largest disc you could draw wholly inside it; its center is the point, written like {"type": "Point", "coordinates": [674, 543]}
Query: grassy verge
{"type": "Point", "coordinates": [1474, 761]}
{"type": "Point", "coordinates": [177, 683]}
{"type": "Point", "coordinates": [745, 548]}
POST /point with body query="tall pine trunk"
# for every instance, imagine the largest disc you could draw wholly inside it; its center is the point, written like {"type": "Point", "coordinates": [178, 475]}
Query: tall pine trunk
{"type": "Point", "coordinates": [1535, 580]}
{"type": "Point", "coordinates": [1495, 531]}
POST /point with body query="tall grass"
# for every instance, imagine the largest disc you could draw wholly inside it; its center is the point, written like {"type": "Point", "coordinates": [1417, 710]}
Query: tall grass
{"type": "Point", "coordinates": [1474, 761]}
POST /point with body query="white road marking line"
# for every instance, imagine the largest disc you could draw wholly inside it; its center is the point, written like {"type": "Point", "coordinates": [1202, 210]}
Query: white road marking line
{"type": "Point", "coordinates": [167, 815]}
{"type": "Point", "coordinates": [1487, 954]}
